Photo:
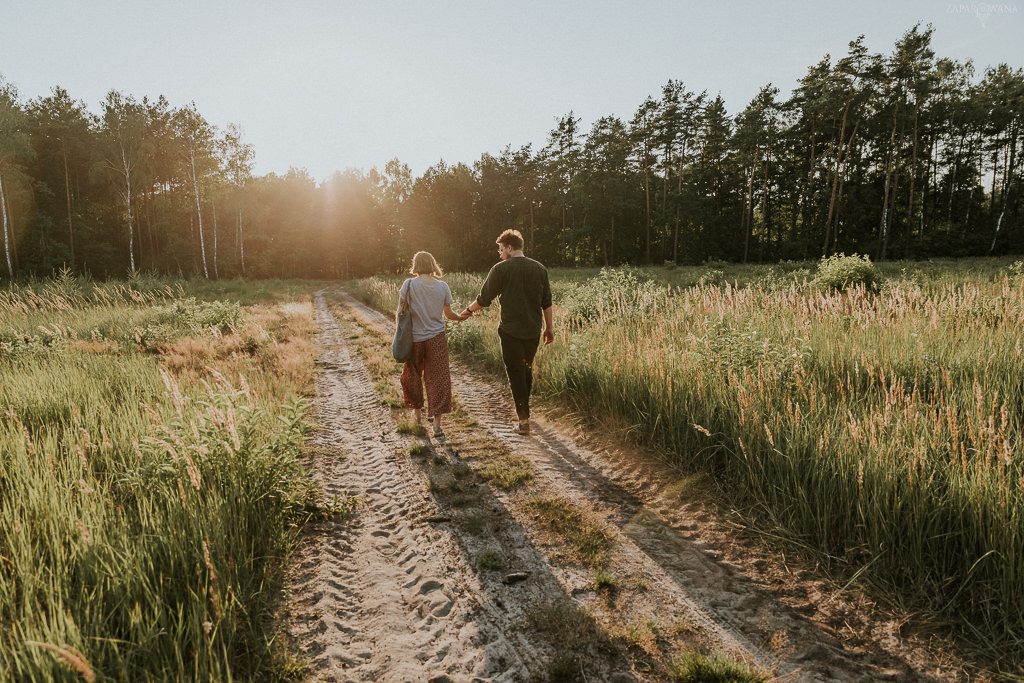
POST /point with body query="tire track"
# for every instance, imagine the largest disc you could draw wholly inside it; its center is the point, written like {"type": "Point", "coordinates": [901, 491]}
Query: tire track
{"type": "Point", "coordinates": [659, 536]}
{"type": "Point", "coordinates": [383, 596]}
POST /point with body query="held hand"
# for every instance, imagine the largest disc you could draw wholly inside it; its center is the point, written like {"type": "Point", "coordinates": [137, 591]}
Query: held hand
{"type": "Point", "coordinates": [549, 336]}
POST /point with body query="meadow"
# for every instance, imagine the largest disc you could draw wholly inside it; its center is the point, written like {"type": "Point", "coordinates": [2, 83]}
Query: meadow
{"type": "Point", "coordinates": [867, 416]}
{"type": "Point", "coordinates": [150, 477]}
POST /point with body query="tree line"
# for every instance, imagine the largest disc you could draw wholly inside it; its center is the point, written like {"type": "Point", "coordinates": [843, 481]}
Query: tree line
{"type": "Point", "coordinates": [903, 155]}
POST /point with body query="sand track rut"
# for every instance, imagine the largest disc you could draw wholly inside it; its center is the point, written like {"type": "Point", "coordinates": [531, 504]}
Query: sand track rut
{"type": "Point", "coordinates": [383, 595]}
{"type": "Point", "coordinates": [388, 596]}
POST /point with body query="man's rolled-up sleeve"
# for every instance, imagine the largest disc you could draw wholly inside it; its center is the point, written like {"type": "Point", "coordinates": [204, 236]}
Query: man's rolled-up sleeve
{"type": "Point", "coordinates": [490, 289]}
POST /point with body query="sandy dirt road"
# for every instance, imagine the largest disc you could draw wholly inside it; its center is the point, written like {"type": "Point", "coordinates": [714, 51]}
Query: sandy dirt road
{"type": "Point", "coordinates": [442, 574]}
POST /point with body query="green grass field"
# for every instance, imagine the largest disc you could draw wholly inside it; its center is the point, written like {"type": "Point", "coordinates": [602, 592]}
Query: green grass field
{"type": "Point", "coordinates": [878, 429]}
{"type": "Point", "coordinates": [150, 483]}
{"type": "Point", "coordinates": [149, 476]}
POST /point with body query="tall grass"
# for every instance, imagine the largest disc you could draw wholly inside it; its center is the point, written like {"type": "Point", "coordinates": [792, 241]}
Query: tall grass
{"type": "Point", "coordinates": [882, 430]}
{"type": "Point", "coordinates": [144, 505]}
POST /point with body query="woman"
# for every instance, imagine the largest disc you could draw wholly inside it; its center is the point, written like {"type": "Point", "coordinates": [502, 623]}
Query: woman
{"type": "Point", "coordinates": [430, 302]}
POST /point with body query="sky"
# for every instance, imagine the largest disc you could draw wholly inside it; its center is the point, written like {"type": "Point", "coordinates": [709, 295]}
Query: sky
{"type": "Point", "coordinates": [327, 85]}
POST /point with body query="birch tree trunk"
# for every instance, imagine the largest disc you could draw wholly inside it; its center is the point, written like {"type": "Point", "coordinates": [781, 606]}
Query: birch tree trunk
{"type": "Point", "coordinates": [748, 214]}
{"type": "Point", "coordinates": [213, 204]}
{"type": "Point", "coordinates": [7, 233]}
{"type": "Point", "coordinates": [1008, 181]}
{"type": "Point", "coordinates": [241, 241]}
{"type": "Point", "coordinates": [883, 237]}
{"type": "Point", "coordinates": [890, 182]}
{"type": "Point", "coordinates": [199, 212]}
{"type": "Point", "coordinates": [128, 208]}
{"type": "Point", "coordinates": [999, 225]}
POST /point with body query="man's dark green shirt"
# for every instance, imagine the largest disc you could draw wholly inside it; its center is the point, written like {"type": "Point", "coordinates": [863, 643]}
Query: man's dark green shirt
{"type": "Point", "coordinates": [522, 288]}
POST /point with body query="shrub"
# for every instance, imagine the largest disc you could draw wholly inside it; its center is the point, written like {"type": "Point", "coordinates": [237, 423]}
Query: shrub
{"type": "Point", "coordinates": [615, 291]}
{"type": "Point", "coordinates": [774, 281]}
{"type": "Point", "coordinates": [740, 346]}
{"type": "Point", "coordinates": [712, 276]}
{"type": "Point", "coordinates": [149, 336]}
{"type": "Point", "coordinates": [468, 338]}
{"type": "Point", "coordinates": [204, 315]}
{"type": "Point", "coordinates": [17, 345]}
{"type": "Point", "coordinates": [840, 272]}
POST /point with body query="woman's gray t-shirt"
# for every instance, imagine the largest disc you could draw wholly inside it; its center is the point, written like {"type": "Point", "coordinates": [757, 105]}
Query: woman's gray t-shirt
{"type": "Point", "coordinates": [426, 302]}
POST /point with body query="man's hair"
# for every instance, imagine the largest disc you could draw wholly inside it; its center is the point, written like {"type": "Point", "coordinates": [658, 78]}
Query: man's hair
{"type": "Point", "coordinates": [424, 262]}
{"type": "Point", "coordinates": [511, 238]}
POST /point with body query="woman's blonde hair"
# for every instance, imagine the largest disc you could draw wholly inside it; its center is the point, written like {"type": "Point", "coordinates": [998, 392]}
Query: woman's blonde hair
{"type": "Point", "coordinates": [424, 262]}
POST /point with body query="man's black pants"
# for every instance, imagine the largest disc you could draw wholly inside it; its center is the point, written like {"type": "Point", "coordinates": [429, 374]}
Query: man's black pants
{"type": "Point", "coordinates": [518, 357]}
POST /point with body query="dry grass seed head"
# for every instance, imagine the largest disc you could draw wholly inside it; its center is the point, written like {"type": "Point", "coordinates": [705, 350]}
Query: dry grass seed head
{"type": "Point", "coordinates": [84, 530]}
{"type": "Point", "coordinates": [70, 656]}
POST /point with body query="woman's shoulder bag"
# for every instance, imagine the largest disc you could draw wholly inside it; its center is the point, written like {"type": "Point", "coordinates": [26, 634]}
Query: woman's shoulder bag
{"type": "Point", "coordinates": [401, 345]}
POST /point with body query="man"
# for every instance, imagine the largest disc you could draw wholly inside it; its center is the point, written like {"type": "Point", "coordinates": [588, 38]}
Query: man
{"type": "Point", "coordinates": [521, 286]}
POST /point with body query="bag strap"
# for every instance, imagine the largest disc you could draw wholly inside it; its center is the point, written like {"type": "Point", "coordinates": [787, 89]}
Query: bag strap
{"type": "Point", "coordinates": [408, 295]}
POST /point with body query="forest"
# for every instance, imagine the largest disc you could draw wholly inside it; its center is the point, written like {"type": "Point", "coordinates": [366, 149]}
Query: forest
{"type": "Point", "coordinates": [904, 155]}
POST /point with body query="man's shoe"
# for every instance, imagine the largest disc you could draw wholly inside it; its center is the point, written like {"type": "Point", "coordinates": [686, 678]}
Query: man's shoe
{"type": "Point", "coordinates": [521, 428]}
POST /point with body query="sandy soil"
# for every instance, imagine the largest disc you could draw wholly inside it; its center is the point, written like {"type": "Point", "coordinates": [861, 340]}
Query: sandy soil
{"type": "Point", "coordinates": [398, 592]}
